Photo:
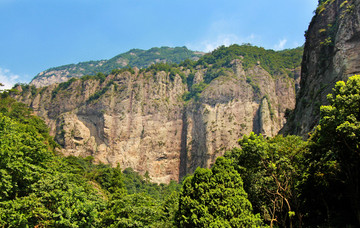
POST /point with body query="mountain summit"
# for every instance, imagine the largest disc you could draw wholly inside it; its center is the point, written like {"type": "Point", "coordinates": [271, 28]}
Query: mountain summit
{"type": "Point", "coordinates": [133, 58]}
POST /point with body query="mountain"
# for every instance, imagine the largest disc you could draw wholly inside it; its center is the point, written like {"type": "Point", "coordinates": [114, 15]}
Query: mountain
{"type": "Point", "coordinates": [170, 119]}
{"type": "Point", "coordinates": [167, 119]}
{"type": "Point", "coordinates": [133, 58]}
{"type": "Point", "coordinates": [331, 53]}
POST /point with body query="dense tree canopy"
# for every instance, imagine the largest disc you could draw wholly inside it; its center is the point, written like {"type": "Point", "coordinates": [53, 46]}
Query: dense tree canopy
{"type": "Point", "coordinates": [39, 188]}
{"type": "Point", "coordinates": [271, 170]}
{"type": "Point", "coordinates": [215, 198]}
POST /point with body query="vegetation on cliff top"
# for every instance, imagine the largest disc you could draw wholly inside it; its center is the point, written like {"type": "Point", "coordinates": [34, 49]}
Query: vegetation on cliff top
{"type": "Point", "coordinates": [213, 65]}
{"type": "Point", "coordinates": [272, 61]}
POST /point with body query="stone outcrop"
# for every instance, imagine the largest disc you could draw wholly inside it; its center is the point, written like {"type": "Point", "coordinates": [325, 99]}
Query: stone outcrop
{"type": "Point", "coordinates": [331, 54]}
{"type": "Point", "coordinates": [140, 119]}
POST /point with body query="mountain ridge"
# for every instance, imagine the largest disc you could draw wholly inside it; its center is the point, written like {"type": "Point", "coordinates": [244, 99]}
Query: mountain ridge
{"type": "Point", "coordinates": [133, 58]}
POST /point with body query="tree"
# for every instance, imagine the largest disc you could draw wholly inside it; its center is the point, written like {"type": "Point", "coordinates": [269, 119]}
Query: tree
{"type": "Point", "coordinates": [271, 170]}
{"type": "Point", "coordinates": [34, 191]}
{"type": "Point", "coordinates": [215, 198]}
{"type": "Point", "coordinates": [334, 160]}
{"type": "Point", "coordinates": [135, 210]}
{"type": "Point", "coordinates": [22, 158]}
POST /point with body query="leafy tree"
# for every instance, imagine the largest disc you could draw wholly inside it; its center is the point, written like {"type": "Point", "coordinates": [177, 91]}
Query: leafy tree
{"type": "Point", "coordinates": [33, 190]}
{"type": "Point", "coordinates": [332, 187]}
{"type": "Point", "coordinates": [23, 155]}
{"type": "Point", "coordinates": [215, 198]}
{"type": "Point", "coordinates": [136, 210]}
{"type": "Point", "coordinates": [271, 169]}
{"type": "Point", "coordinates": [39, 188]}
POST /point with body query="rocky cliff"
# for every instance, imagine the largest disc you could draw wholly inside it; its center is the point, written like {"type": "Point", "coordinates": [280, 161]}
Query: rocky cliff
{"type": "Point", "coordinates": [331, 53]}
{"type": "Point", "coordinates": [142, 118]}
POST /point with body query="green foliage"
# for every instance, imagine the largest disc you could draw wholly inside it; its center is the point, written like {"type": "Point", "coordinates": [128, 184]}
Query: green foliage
{"type": "Point", "coordinates": [334, 159]}
{"type": "Point", "coordinates": [215, 198]}
{"type": "Point", "coordinates": [63, 86]}
{"type": "Point", "coordinates": [121, 70]}
{"type": "Point", "coordinates": [272, 61]}
{"type": "Point", "coordinates": [41, 189]}
{"type": "Point", "coordinates": [188, 64]}
{"type": "Point", "coordinates": [214, 73]}
{"type": "Point", "coordinates": [254, 85]}
{"type": "Point", "coordinates": [22, 151]}
{"type": "Point", "coordinates": [195, 91]}
{"type": "Point", "coordinates": [101, 92]}
{"type": "Point", "coordinates": [26, 87]}
{"type": "Point", "coordinates": [271, 169]}
{"type": "Point", "coordinates": [32, 191]}
{"type": "Point", "coordinates": [322, 6]}
{"type": "Point", "coordinates": [137, 210]}
{"type": "Point", "coordinates": [99, 76]}
{"type": "Point", "coordinates": [20, 112]}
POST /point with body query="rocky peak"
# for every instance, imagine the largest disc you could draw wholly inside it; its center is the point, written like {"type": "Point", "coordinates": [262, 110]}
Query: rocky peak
{"type": "Point", "coordinates": [331, 53]}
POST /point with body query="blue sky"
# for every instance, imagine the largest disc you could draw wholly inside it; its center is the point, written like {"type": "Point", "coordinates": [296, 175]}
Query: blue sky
{"type": "Point", "coordinates": [39, 34]}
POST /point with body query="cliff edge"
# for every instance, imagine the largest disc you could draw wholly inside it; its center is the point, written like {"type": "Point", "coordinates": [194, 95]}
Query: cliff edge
{"type": "Point", "coordinates": [331, 53]}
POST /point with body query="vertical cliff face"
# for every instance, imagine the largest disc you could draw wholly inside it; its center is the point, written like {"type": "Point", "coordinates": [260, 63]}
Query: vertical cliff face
{"type": "Point", "coordinates": [140, 119]}
{"type": "Point", "coordinates": [331, 54]}
{"type": "Point", "coordinates": [233, 106]}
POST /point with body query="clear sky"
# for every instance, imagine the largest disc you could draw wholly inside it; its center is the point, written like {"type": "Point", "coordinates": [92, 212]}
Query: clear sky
{"type": "Point", "coordinates": [38, 34]}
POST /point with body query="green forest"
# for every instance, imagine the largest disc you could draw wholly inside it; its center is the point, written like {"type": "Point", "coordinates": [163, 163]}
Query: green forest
{"type": "Point", "coordinates": [282, 181]}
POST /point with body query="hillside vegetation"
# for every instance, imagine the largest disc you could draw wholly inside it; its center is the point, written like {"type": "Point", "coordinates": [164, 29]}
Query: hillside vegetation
{"type": "Point", "coordinates": [215, 64]}
{"type": "Point", "coordinates": [280, 181]}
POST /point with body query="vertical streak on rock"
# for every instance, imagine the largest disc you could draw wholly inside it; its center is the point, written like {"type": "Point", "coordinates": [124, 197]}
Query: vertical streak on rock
{"type": "Point", "coordinates": [256, 122]}
{"type": "Point", "coordinates": [183, 150]}
{"type": "Point", "coordinates": [130, 111]}
{"type": "Point", "coordinates": [114, 121]}
{"type": "Point", "coordinates": [199, 151]}
{"type": "Point", "coordinates": [265, 118]}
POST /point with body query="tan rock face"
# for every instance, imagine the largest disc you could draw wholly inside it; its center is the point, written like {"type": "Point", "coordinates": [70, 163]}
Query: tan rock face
{"type": "Point", "coordinates": [331, 54]}
{"type": "Point", "coordinates": [140, 120]}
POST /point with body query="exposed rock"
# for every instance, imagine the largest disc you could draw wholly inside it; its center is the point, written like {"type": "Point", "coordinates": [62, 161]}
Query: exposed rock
{"type": "Point", "coordinates": [140, 120]}
{"type": "Point", "coordinates": [331, 54]}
